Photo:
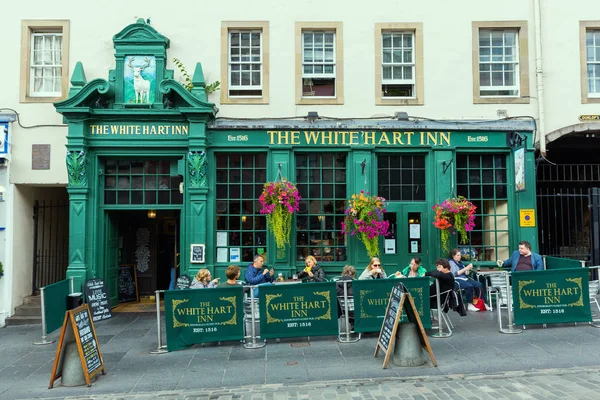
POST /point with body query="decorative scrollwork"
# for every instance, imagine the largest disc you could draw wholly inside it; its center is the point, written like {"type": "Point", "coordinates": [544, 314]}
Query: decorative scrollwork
{"type": "Point", "coordinates": [197, 168]}
{"type": "Point", "coordinates": [577, 281]}
{"type": "Point", "coordinates": [269, 298]}
{"type": "Point", "coordinates": [176, 323]}
{"type": "Point", "coordinates": [326, 295]}
{"type": "Point", "coordinates": [76, 168]}
{"type": "Point", "coordinates": [523, 304]}
{"type": "Point", "coordinates": [363, 296]}
{"type": "Point", "coordinates": [233, 320]}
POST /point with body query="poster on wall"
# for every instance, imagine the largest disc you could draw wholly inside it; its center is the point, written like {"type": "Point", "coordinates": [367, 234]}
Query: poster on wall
{"type": "Point", "coordinates": [390, 246]}
{"type": "Point", "coordinates": [139, 79]}
{"type": "Point", "coordinates": [519, 155]}
{"type": "Point", "coordinates": [234, 254]}
{"type": "Point", "coordinates": [197, 253]}
{"type": "Point", "coordinates": [221, 239]}
{"type": "Point", "coordinates": [222, 255]}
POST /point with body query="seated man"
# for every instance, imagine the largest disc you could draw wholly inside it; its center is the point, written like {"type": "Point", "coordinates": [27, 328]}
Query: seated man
{"type": "Point", "coordinates": [523, 259]}
{"type": "Point", "coordinates": [461, 274]}
{"type": "Point", "coordinates": [445, 278]}
{"type": "Point", "coordinates": [232, 273]}
{"type": "Point", "coordinates": [256, 275]}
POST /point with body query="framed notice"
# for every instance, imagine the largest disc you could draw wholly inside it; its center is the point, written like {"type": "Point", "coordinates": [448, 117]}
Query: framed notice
{"type": "Point", "coordinates": [234, 254]}
{"type": "Point", "coordinates": [414, 246]}
{"type": "Point", "coordinates": [197, 253]}
{"type": "Point", "coordinates": [390, 246]}
{"type": "Point", "coordinates": [415, 231]}
{"type": "Point", "coordinates": [221, 239]}
{"type": "Point", "coordinates": [519, 155]}
{"type": "Point", "coordinates": [222, 254]}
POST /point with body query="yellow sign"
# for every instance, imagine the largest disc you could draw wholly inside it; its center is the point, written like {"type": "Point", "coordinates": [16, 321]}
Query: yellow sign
{"type": "Point", "coordinates": [585, 118]}
{"type": "Point", "coordinates": [528, 217]}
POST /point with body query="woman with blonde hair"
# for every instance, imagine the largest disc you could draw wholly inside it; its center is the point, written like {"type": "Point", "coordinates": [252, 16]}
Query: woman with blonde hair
{"type": "Point", "coordinates": [373, 271]}
{"type": "Point", "coordinates": [313, 271]}
{"type": "Point", "coordinates": [203, 281]}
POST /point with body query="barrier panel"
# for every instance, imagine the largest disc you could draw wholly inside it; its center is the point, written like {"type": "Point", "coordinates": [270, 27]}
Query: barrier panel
{"type": "Point", "coordinates": [552, 296]}
{"type": "Point", "coordinates": [203, 315]}
{"type": "Point", "coordinates": [371, 298]}
{"type": "Point", "coordinates": [55, 304]}
{"type": "Point", "coordinates": [561, 263]}
{"type": "Point", "coordinates": [308, 309]}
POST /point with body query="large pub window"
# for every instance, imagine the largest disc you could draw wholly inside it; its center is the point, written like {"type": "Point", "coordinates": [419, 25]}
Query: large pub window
{"type": "Point", "coordinates": [142, 182]}
{"type": "Point", "coordinates": [241, 229]}
{"type": "Point", "coordinates": [481, 179]}
{"type": "Point", "coordinates": [321, 180]}
{"type": "Point", "coordinates": [401, 177]}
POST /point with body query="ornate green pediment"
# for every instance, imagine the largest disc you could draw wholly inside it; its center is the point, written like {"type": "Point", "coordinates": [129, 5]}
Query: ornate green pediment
{"type": "Point", "coordinates": [140, 84]}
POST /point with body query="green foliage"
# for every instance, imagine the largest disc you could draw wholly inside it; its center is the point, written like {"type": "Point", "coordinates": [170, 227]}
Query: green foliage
{"type": "Point", "coordinates": [187, 79]}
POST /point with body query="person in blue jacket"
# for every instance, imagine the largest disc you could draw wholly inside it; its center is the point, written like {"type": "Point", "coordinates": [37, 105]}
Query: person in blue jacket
{"type": "Point", "coordinates": [523, 259]}
{"type": "Point", "coordinates": [257, 275]}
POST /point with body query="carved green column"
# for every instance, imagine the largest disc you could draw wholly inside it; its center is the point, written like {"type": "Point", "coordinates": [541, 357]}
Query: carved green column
{"type": "Point", "coordinates": [78, 204]}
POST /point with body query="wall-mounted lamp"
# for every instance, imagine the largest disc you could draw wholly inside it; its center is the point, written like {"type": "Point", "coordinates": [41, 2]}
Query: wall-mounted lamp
{"type": "Point", "coordinates": [312, 115]}
{"type": "Point", "coordinates": [244, 218]}
{"type": "Point", "coordinates": [152, 214]}
{"type": "Point", "coordinates": [515, 139]}
{"type": "Point", "coordinates": [320, 218]}
{"type": "Point", "coordinates": [401, 116]}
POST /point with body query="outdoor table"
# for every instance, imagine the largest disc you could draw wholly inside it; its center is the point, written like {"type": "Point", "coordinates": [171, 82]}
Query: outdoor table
{"type": "Point", "coordinates": [287, 282]}
{"type": "Point", "coordinates": [487, 273]}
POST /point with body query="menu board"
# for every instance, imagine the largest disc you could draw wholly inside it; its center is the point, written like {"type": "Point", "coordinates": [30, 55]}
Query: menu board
{"type": "Point", "coordinates": [400, 302]}
{"type": "Point", "coordinates": [96, 296]}
{"type": "Point", "coordinates": [78, 327]}
{"type": "Point", "coordinates": [128, 290]}
{"type": "Point", "coordinates": [183, 282]}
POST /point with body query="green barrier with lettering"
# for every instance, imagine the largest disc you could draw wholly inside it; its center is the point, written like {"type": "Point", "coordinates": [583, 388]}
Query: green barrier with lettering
{"type": "Point", "coordinates": [55, 304]}
{"type": "Point", "coordinates": [307, 309]}
{"type": "Point", "coordinates": [556, 296]}
{"type": "Point", "coordinates": [203, 315]}
{"type": "Point", "coordinates": [371, 298]}
{"type": "Point", "coordinates": [560, 263]}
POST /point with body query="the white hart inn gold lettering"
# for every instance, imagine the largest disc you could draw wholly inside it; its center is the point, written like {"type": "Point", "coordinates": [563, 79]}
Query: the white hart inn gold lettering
{"type": "Point", "coordinates": [356, 138]}
{"type": "Point", "coordinates": [139, 129]}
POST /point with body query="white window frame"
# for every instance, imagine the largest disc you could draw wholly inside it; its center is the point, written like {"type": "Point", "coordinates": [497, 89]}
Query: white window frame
{"type": "Point", "coordinates": [33, 68]}
{"type": "Point", "coordinates": [324, 63]}
{"type": "Point", "coordinates": [402, 64]}
{"type": "Point", "coordinates": [595, 62]}
{"type": "Point", "coordinates": [503, 62]}
{"type": "Point", "coordinates": [241, 62]}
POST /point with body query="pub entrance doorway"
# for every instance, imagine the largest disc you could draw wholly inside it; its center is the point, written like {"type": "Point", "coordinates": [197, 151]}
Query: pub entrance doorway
{"type": "Point", "coordinates": [148, 239]}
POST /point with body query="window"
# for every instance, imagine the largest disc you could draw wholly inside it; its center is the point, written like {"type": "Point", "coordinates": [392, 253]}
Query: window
{"type": "Point", "coordinates": [142, 182]}
{"type": "Point", "coordinates": [244, 62]}
{"type": "Point", "coordinates": [399, 64]}
{"type": "Point", "coordinates": [44, 63]}
{"type": "Point", "coordinates": [240, 227]}
{"type": "Point", "coordinates": [321, 181]}
{"type": "Point", "coordinates": [481, 179]}
{"type": "Point", "coordinates": [401, 177]}
{"type": "Point", "coordinates": [590, 61]}
{"type": "Point", "coordinates": [500, 62]}
{"type": "Point", "coordinates": [319, 62]}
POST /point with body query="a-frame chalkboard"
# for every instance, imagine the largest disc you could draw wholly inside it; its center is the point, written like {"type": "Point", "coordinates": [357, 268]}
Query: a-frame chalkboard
{"type": "Point", "coordinates": [400, 301]}
{"type": "Point", "coordinates": [128, 289]}
{"type": "Point", "coordinates": [78, 327]}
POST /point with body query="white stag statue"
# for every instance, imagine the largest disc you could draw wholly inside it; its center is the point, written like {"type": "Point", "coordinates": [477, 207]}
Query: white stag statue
{"type": "Point", "coordinates": [140, 85]}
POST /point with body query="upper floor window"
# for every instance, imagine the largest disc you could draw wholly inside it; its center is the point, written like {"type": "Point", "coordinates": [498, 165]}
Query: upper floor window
{"type": "Point", "coordinates": [590, 61]}
{"type": "Point", "coordinates": [399, 64]}
{"type": "Point", "coordinates": [44, 66]}
{"type": "Point", "coordinates": [245, 62]}
{"type": "Point", "coordinates": [502, 71]}
{"type": "Point", "coordinates": [319, 62]}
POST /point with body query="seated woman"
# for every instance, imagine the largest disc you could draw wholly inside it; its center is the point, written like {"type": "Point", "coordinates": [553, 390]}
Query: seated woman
{"type": "Point", "coordinates": [461, 274]}
{"type": "Point", "coordinates": [312, 272]}
{"type": "Point", "coordinates": [414, 270]}
{"type": "Point", "coordinates": [446, 279]}
{"type": "Point", "coordinates": [202, 280]}
{"type": "Point", "coordinates": [373, 270]}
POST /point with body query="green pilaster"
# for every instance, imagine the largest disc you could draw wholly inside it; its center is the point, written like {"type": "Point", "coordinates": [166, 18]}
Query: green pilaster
{"type": "Point", "coordinates": [362, 175]}
{"type": "Point", "coordinates": [444, 177]}
{"type": "Point", "coordinates": [281, 161]}
{"type": "Point", "coordinates": [524, 200]}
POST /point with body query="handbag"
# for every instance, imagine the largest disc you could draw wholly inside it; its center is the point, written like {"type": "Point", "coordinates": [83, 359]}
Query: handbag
{"type": "Point", "coordinates": [479, 303]}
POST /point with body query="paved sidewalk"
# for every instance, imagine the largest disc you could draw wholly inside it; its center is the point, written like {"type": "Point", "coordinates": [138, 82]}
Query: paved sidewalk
{"type": "Point", "coordinates": [126, 341]}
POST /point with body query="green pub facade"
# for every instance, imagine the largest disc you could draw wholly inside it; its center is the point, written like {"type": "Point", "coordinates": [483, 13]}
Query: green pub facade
{"type": "Point", "coordinates": [157, 180]}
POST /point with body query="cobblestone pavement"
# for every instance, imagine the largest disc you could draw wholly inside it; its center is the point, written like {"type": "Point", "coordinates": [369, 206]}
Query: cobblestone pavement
{"type": "Point", "coordinates": [574, 383]}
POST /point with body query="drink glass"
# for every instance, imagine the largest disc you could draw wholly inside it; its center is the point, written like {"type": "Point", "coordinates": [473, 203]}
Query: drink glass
{"type": "Point", "coordinates": [295, 277]}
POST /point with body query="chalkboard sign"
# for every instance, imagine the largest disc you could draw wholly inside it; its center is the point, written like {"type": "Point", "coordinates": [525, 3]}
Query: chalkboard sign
{"type": "Point", "coordinates": [183, 282]}
{"type": "Point", "coordinates": [128, 290]}
{"type": "Point", "coordinates": [96, 296]}
{"type": "Point", "coordinates": [400, 302]}
{"type": "Point", "coordinates": [78, 327]}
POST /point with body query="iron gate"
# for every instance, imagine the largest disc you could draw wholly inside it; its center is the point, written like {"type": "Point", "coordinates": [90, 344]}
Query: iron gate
{"type": "Point", "coordinates": [568, 206]}
{"type": "Point", "coordinates": [50, 243]}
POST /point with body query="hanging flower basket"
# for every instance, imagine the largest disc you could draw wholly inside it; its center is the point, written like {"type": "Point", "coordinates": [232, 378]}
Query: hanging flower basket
{"type": "Point", "coordinates": [364, 219]}
{"type": "Point", "coordinates": [279, 201]}
{"type": "Point", "coordinates": [454, 215]}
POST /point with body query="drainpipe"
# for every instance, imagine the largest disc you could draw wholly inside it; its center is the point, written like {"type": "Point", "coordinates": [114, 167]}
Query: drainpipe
{"type": "Point", "coordinates": [541, 127]}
